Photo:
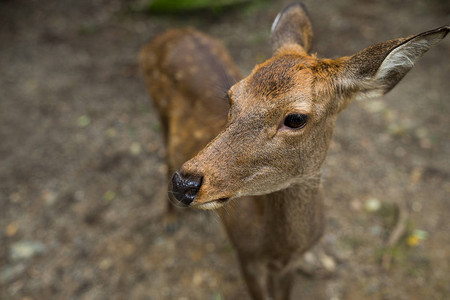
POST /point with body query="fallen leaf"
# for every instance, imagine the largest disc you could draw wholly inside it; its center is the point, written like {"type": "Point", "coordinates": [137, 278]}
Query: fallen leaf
{"type": "Point", "coordinates": [11, 229]}
{"type": "Point", "coordinates": [109, 195]}
{"type": "Point", "coordinates": [83, 121]}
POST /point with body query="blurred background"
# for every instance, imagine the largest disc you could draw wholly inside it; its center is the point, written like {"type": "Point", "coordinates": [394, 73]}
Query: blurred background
{"type": "Point", "coordinates": [82, 176]}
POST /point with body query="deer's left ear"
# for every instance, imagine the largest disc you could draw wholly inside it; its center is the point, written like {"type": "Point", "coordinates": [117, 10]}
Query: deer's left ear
{"type": "Point", "coordinates": [377, 69]}
{"type": "Point", "coordinates": [292, 26]}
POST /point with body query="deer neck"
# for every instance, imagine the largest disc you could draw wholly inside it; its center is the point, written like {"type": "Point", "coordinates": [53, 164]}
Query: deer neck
{"type": "Point", "coordinates": [293, 217]}
{"type": "Point", "coordinates": [287, 220]}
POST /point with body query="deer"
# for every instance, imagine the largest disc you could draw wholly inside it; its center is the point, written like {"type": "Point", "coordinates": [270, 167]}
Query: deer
{"type": "Point", "coordinates": [251, 148]}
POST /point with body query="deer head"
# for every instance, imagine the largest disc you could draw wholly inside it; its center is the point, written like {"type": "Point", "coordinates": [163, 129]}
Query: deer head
{"type": "Point", "coordinates": [281, 116]}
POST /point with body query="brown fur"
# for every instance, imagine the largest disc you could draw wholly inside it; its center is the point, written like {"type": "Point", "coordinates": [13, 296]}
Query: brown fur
{"type": "Point", "coordinates": [269, 173]}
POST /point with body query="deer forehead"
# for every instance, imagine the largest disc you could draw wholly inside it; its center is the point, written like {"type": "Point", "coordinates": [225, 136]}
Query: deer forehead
{"type": "Point", "coordinates": [285, 83]}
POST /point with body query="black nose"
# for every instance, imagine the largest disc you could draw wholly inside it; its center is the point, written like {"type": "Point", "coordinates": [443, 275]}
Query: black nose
{"type": "Point", "coordinates": [185, 187]}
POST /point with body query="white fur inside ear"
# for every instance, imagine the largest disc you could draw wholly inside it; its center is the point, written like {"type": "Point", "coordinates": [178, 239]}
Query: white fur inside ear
{"type": "Point", "coordinates": [369, 90]}
{"type": "Point", "coordinates": [275, 23]}
{"type": "Point", "coordinates": [373, 94]}
{"type": "Point", "coordinates": [403, 58]}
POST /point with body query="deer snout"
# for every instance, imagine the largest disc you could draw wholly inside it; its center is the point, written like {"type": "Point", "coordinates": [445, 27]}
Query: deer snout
{"type": "Point", "coordinates": [185, 187]}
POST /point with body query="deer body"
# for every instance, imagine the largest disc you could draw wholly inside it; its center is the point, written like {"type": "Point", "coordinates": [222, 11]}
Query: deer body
{"type": "Point", "coordinates": [186, 73]}
{"type": "Point", "coordinates": [259, 142]}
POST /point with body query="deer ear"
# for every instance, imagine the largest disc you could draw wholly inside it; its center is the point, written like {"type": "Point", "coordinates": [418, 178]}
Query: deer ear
{"type": "Point", "coordinates": [292, 26]}
{"type": "Point", "coordinates": [377, 69]}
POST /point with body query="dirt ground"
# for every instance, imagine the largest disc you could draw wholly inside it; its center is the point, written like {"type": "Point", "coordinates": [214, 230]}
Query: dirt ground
{"type": "Point", "coordinates": [82, 177]}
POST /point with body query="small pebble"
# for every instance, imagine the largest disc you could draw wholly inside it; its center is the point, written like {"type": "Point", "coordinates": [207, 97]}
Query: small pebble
{"type": "Point", "coordinates": [48, 197]}
{"type": "Point", "coordinates": [25, 249]}
{"type": "Point", "coordinates": [372, 205]}
{"type": "Point", "coordinates": [328, 262]}
{"type": "Point", "coordinates": [135, 148]}
{"type": "Point", "coordinates": [355, 205]}
{"type": "Point", "coordinates": [111, 132]}
{"type": "Point", "coordinates": [197, 278]}
{"type": "Point", "coordinates": [10, 273]}
{"type": "Point", "coordinates": [375, 230]}
{"type": "Point", "coordinates": [416, 206]}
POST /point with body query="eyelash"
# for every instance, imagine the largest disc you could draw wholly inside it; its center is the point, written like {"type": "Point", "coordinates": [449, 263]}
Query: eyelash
{"type": "Point", "coordinates": [227, 96]}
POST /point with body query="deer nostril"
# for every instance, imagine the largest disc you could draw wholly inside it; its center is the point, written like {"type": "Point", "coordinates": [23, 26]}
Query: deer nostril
{"type": "Point", "coordinates": [191, 192]}
{"type": "Point", "coordinates": [185, 187]}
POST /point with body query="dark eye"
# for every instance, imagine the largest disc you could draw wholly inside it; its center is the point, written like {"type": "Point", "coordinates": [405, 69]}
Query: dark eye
{"type": "Point", "coordinates": [295, 121]}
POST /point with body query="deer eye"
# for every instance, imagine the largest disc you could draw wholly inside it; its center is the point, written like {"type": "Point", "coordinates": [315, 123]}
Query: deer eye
{"type": "Point", "coordinates": [295, 121]}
